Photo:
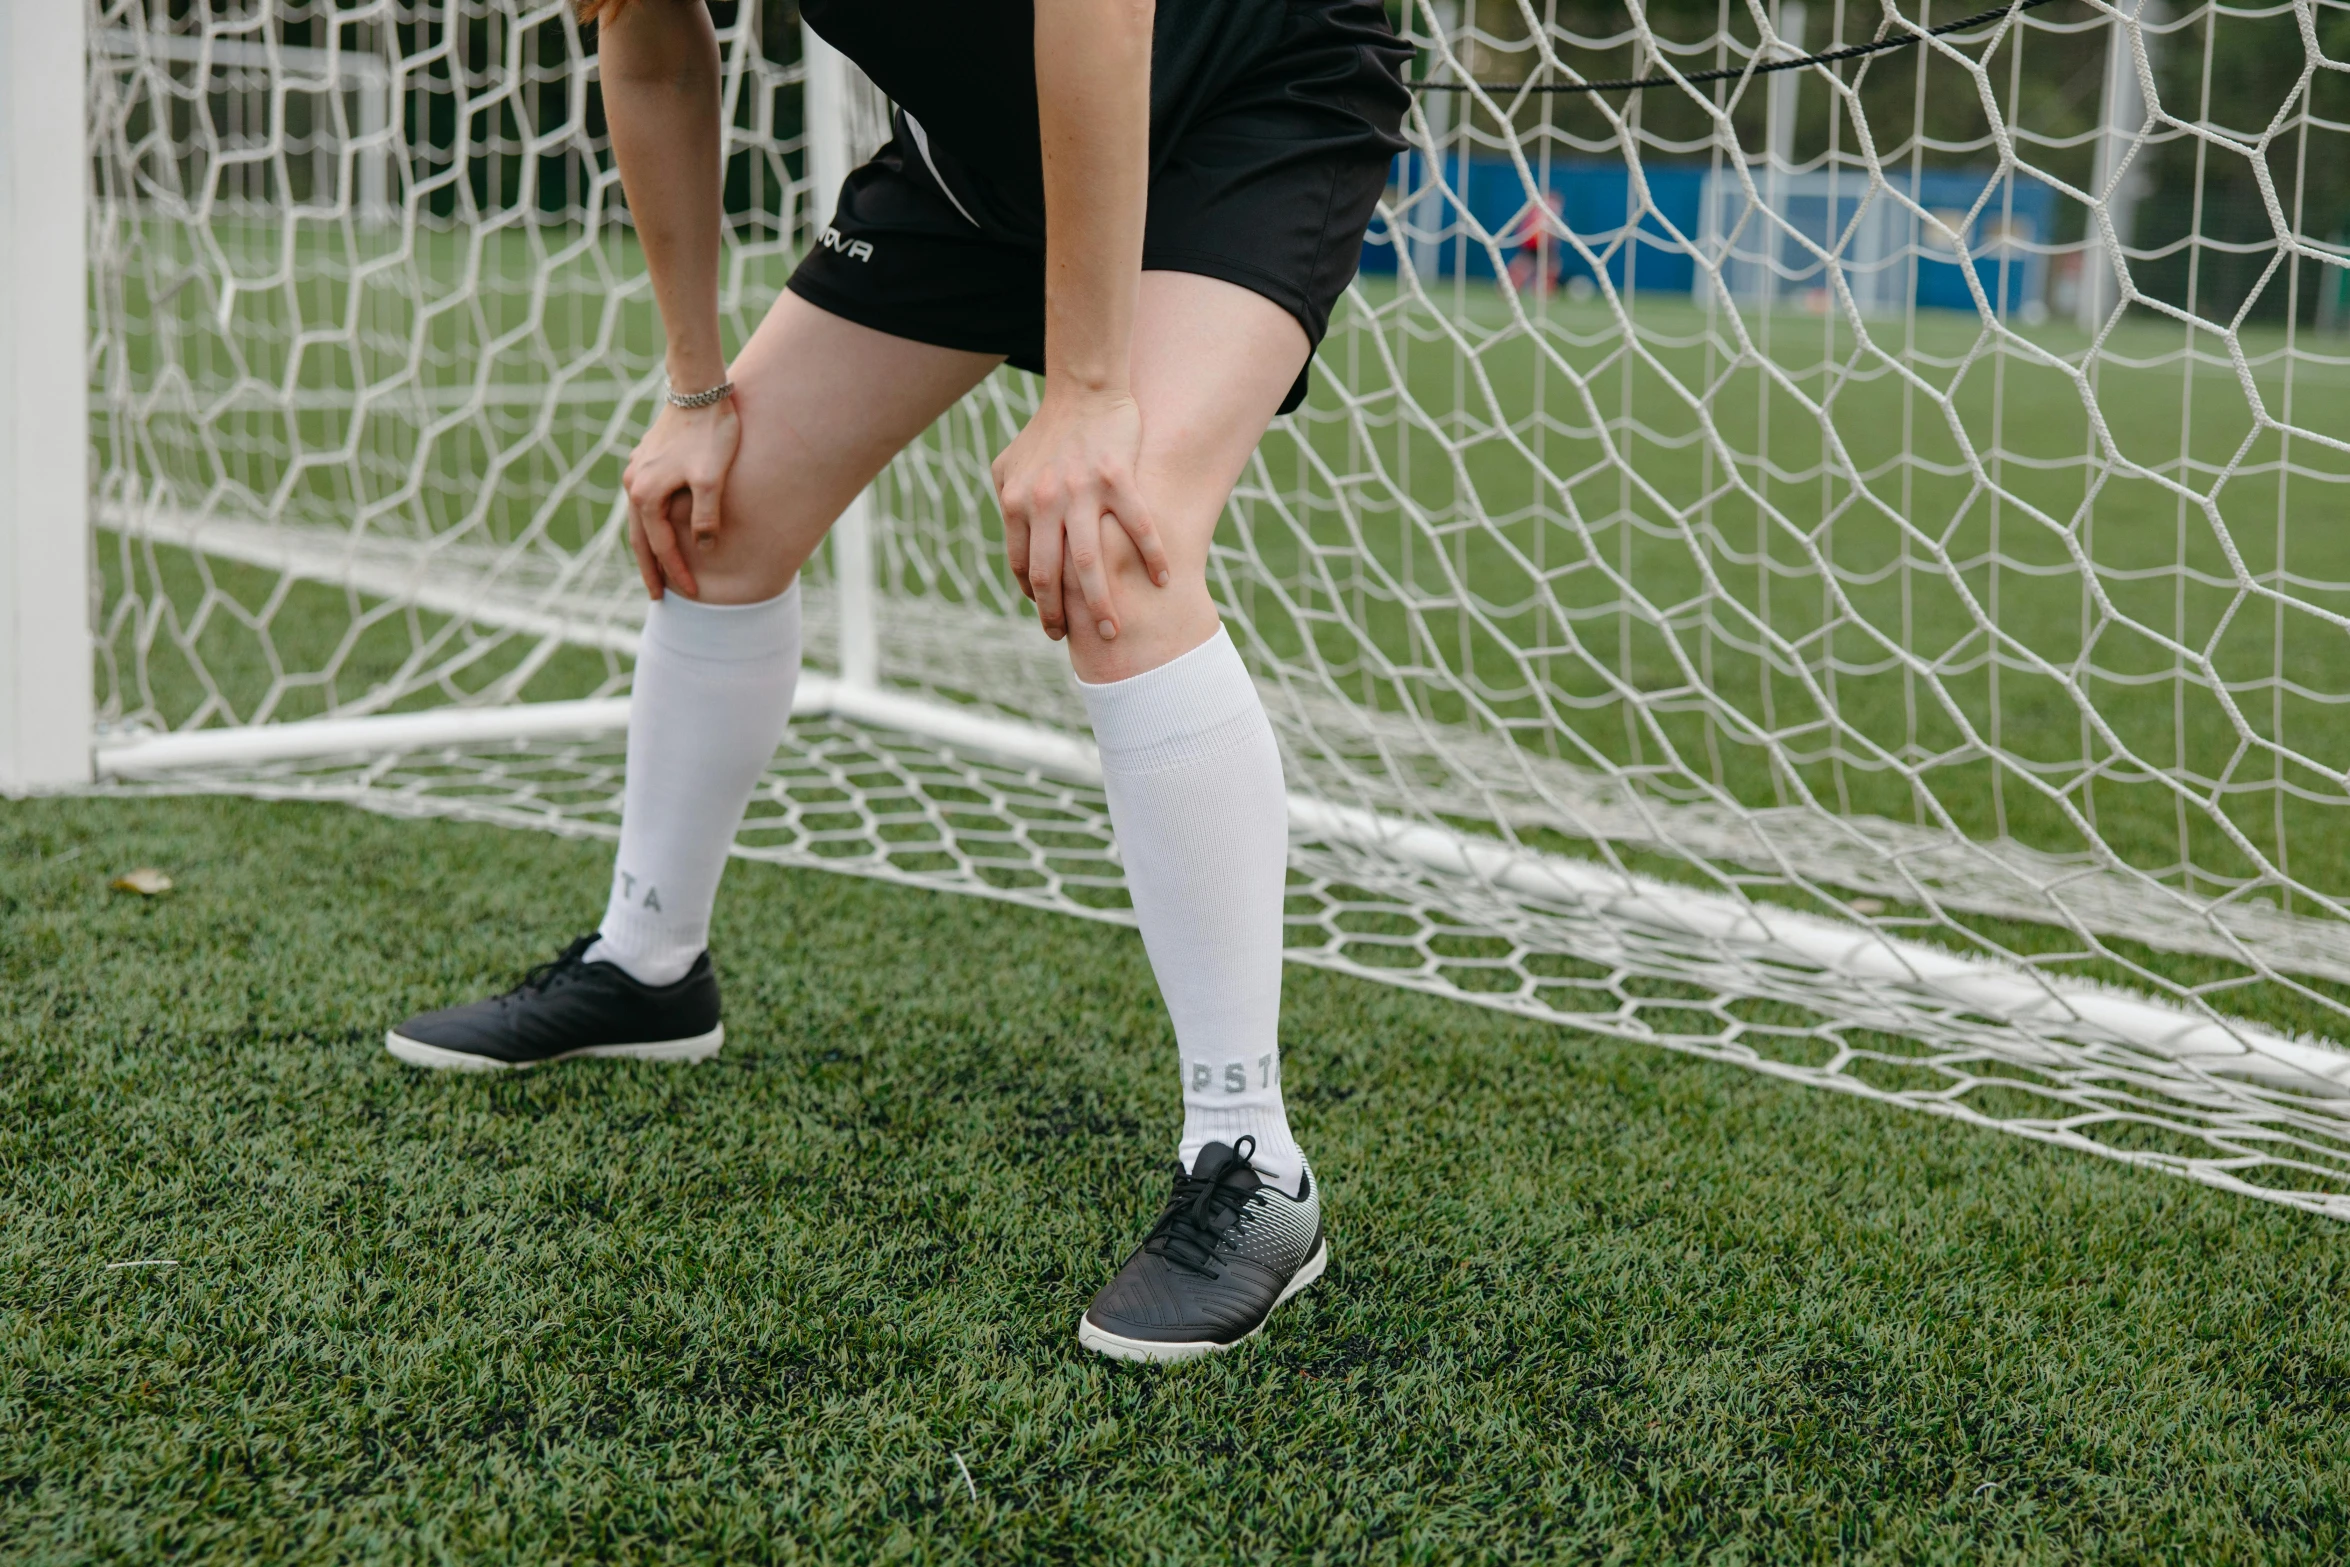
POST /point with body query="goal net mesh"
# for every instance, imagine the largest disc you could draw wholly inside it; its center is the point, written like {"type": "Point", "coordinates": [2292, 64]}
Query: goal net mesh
{"type": "Point", "coordinates": [1839, 570]}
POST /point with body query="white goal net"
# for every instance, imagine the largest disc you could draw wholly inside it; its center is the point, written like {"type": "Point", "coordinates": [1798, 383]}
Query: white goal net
{"type": "Point", "coordinates": [1838, 569]}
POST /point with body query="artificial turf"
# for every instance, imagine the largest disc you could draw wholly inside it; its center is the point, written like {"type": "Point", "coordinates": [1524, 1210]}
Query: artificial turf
{"type": "Point", "coordinates": [1586, 1299]}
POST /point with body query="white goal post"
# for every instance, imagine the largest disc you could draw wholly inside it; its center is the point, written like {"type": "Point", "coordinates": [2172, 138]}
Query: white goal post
{"type": "Point", "coordinates": [46, 712]}
{"type": "Point", "coordinates": [1859, 605]}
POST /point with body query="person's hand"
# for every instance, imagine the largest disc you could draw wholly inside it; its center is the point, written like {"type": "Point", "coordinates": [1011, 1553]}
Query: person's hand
{"type": "Point", "coordinates": [1062, 476]}
{"type": "Point", "coordinates": [685, 454]}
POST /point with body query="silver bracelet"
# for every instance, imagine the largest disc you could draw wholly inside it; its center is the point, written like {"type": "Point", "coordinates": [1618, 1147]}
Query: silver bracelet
{"type": "Point", "coordinates": [678, 399]}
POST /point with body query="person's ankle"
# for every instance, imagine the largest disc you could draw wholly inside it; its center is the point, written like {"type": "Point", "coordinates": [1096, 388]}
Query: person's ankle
{"type": "Point", "coordinates": [648, 964]}
{"type": "Point", "coordinates": [1274, 1154]}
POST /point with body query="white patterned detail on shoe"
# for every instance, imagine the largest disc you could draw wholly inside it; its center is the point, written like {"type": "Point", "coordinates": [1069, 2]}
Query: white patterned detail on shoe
{"type": "Point", "coordinates": [1278, 1230]}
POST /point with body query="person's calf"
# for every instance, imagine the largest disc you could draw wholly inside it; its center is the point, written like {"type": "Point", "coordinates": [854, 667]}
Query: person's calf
{"type": "Point", "coordinates": [1193, 776]}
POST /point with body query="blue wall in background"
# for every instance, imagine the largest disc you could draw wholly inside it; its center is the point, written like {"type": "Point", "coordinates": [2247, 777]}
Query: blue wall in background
{"type": "Point", "coordinates": [1596, 199]}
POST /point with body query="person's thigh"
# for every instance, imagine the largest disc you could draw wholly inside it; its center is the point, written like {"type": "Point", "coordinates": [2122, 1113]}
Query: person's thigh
{"type": "Point", "coordinates": [824, 404]}
{"type": "Point", "coordinates": [1212, 362]}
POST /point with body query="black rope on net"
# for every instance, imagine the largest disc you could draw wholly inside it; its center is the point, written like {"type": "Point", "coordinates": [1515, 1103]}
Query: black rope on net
{"type": "Point", "coordinates": [1733, 73]}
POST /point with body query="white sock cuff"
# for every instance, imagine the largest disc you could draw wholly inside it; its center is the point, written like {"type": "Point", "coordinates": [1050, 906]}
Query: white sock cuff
{"type": "Point", "coordinates": [652, 954]}
{"type": "Point", "coordinates": [1193, 706]}
{"type": "Point", "coordinates": [727, 633]}
{"type": "Point", "coordinates": [1277, 1154]}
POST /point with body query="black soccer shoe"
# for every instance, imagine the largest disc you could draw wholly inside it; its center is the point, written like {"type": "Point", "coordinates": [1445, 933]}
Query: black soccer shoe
{"type": "Point", "coordinates": [570, 1007]}
{"type": "Point", "coordinates": [1227, 1249]}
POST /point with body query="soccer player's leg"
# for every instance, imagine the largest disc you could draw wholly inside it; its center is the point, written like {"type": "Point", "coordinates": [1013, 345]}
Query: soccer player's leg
{"type": "Point", "coordinates": [823, 403]}
{"type": "Point", "coordinates": [1196, 796]}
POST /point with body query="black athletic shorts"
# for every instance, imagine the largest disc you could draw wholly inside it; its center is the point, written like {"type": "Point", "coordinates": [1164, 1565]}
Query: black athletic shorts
{"type": "Point", "coordinates": [1269, 183]}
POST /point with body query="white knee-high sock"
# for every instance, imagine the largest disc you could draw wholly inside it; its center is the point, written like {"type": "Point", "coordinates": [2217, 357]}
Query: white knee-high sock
{"type": "Point", "coordinates": [712, 694]}
{"type": "Point", "coordinates": [1194, 781]}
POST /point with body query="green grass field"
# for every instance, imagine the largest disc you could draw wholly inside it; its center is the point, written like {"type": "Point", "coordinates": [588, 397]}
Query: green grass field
{"type": "Point", "coordinates": [1588, 1300]}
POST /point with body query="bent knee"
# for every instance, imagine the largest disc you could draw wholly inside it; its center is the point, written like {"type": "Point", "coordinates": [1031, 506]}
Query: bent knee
{"type": "Point", "coordinates": [1183, 542]}
{"type": "Point", "coordinates": [1122, 560]}
{"type": "Point", "coordinates": [1137, 592]}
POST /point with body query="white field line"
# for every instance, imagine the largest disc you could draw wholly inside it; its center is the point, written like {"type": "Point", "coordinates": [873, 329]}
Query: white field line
{"type": "Point", "coordinates": [380, 734]}
{"type": "Point", "coordinates": [2049, 1004]}
{"type": "Point", "coordinates": [478, 583]}
{"type": "Point", "coordinates": [410, 398]}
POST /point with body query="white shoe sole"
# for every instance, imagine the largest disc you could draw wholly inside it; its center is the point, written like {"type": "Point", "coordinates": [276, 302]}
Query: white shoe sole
{"type": "Point", "coordinates": [1103, 1342]}
{"type": "Point", "coordinates": [701, 1047]}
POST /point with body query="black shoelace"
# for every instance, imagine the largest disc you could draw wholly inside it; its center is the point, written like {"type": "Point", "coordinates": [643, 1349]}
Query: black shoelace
{"type": "Point", "coordinates": [560, 966]}
{"type": "Point", "coordinates": [1188, 1230]}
